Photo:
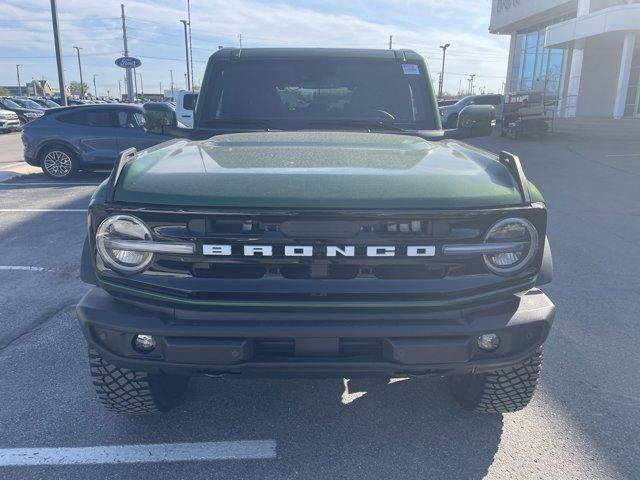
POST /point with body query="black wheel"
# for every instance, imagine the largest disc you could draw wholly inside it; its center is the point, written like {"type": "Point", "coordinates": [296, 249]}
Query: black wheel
{"type": "Point", "coordinates": [131, 392]}
{"type": "Point", "coordinates": [506, 390]}
{"type": "Point", "coordinates": [58, 162]}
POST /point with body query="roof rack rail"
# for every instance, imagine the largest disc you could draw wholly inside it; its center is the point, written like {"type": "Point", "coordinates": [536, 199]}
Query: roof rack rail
{"type": "Point", "coordinates": [512, 162]}
{"type": "Point", "coordinates": [125, 157]}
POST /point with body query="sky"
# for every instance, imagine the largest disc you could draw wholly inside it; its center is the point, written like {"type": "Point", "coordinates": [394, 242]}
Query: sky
{"type": "Point", "coordinates": [157, 37]}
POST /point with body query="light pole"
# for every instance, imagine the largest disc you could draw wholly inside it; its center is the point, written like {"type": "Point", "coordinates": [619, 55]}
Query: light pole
{"type": "Point", "coordinates": [186, 53]}
{"type": "Point", "coordinates": [119, 90]}
{"type": "Point", "coordinates": [141, 86]}
{"type": "Point", "coordinates": [95, 89]}
{"type": "Point", "coordinates": [18, 73]}
{"type": "Point", "coordinates": [56, 42]}
{"type": "Point", "coordinates": [471, 77]}
{"type": "Point", "coordinates": [135, 83]}
{"type": "Point", "coordinates": [173, 97]}
{"type": "Point", "coordinates": [190, 42]}
{"type": "Point", "coordinates": [80, 68]}
{"type": "Point", "coordinates": [444, 54]}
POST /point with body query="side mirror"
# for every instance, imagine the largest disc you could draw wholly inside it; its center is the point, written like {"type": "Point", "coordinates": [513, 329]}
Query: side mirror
{"type": "Point", "coordinates": [158, 116]}
{"type": "Point", "coordinates": [474, 121]}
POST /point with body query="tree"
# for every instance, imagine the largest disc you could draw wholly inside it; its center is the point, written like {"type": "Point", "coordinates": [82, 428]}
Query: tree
{"type": "Point", "coordinates": [74, 88]}
{"type": "Point", "coordinates": [4, 92]}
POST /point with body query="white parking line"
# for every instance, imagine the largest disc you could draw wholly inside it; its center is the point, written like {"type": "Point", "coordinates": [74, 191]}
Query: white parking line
{"type": "Point", "coordinates": [161, 452]}
{"type": "Point", "coordinates": [24, 268]}
{"type": "Point", "coordinates": [67, 210]}
{"type": "Point", "coordinates": [43, 184]}
{"type": "Point", "coordinates": [624, 155]}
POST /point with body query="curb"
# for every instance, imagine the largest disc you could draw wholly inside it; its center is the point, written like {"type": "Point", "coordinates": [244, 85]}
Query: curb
{"type": "Point", "coordinates": [17, 171]}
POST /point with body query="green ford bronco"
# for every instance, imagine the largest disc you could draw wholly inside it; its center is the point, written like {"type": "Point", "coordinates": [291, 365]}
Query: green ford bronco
{"type": "Point", "coordinates": [316, 221]}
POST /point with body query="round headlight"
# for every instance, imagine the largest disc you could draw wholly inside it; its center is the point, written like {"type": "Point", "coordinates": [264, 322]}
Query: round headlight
{"type": "Point", "coordinates": [123, 227]}
{"type": "Point", "coordinates": [516, 244]}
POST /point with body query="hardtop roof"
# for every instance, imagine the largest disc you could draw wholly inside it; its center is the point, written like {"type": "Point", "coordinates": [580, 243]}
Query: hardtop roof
{"type": "Point", "coordinates": [282, 53]}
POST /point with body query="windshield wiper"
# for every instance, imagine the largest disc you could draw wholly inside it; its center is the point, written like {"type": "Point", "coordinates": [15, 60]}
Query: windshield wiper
{"type": "Point", "coordinates": [242, 121]}
{"type": "Point", "coordinates": [368, 124]}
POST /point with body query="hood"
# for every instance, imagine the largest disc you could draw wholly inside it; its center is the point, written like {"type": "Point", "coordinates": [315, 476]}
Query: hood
{"type": "Point", "coordinates": [317, 170]}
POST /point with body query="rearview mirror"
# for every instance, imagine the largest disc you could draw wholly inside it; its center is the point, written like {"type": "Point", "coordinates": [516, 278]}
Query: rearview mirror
{"type": "Point", "coordinates": [158, 116]}
{"type": "Point", "coordinates": [474, 121]}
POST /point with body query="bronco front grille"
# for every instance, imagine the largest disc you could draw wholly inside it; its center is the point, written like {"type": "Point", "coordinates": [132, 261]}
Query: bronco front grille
{"type": "Point", "coordinates": [236, 276]}
{"type": "Point", "coordinates": [319, 236]}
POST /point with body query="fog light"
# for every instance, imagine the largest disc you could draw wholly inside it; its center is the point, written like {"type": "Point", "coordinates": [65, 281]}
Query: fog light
{"type": "Point", "coordinates": [144, 343]}
{"type": "Point", "coordinates": [488, 341]}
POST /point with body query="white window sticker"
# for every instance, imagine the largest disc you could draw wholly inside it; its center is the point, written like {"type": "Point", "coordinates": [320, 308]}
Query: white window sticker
{"type": "Point", "coordinates": [410, 69]}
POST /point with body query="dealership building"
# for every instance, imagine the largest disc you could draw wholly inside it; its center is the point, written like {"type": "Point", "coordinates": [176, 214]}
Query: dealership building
{"type": "Point", "coordinates": [583, 53]}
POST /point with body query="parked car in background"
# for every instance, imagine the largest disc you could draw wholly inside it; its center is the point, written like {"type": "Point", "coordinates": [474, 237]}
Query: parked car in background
{"type": "Point", "coordinates": [25, 115]}
{"type": "Point", "coordinates": [185, 105]}
{"type": "Point", "coordinates": [445, 103]}
{"type": "Point", "coordinates": [9, 121]}
{"type": "Point", "coordinates": [27, 103]}
{"type": "Point", "coordinates": [70, 101]}
{"type": "Point", "coordinates": [524, 114]}
{"type": "Point", "coordinates": [449, 113]}
{"type": "Point", "coordinates": [45, 102]}
{"type": "Point", "coordinates": [87, 137]}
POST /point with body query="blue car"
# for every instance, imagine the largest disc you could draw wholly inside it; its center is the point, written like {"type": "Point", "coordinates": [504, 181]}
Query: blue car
{"type": "Point", "coordinates": [85, 137]}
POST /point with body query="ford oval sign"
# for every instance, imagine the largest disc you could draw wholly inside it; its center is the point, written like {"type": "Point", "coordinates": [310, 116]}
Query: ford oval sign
{"type": "Point", "coordinates": [128, 62]}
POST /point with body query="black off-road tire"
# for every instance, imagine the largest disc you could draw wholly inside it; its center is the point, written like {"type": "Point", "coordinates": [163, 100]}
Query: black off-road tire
{"type": "Point", "coordinates": [132, 392]}
{"type": "Point", "coordinates": [506, 390]}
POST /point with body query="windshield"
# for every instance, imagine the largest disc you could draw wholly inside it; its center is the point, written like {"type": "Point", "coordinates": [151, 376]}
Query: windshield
{"type": "Point", "coordinates": [300, 92]}
{"type": "Point", "coordinates": [8, 103]}
{"type": "Point", "coordinates": [464, 100]}
{"type": "Point", "coordinates": [28, 103]}
{"type": "Point", "coordinates": [50, 103]}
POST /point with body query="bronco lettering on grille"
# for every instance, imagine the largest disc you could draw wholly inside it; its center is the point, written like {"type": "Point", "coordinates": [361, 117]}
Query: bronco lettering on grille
{"type": "Point", "coordinates": [329, 250]}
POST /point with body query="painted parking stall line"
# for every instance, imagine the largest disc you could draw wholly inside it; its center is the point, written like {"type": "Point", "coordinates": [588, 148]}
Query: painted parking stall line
{"type": "Point", "coordinates": [47, 184]}
{"type": "Point", "coordinates": [152, 453]}
{"type": "Point", "coordinates": [22, 268]}
{"type": "Point", "coordinates": [44, 210]}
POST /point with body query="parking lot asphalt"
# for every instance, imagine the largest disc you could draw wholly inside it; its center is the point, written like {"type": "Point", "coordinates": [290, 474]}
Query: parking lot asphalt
{"type": "Point", "coordinates": [583, 423]}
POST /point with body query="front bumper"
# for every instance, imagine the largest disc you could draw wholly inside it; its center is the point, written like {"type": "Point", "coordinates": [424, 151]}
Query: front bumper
{"type": "Point", "coordinates": [10, 125]}
{"type": "Point", "coordinates": [307, 342]}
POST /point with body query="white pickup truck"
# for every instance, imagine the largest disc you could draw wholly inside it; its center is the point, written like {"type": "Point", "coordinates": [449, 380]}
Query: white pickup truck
{"type": "Point", "coordinates": [185, 105]}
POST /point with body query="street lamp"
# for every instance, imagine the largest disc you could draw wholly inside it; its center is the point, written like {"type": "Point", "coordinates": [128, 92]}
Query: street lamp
{"type": "Point", "coordinates": [19, 84]}
{"type": "Point", "coordinates": [80, 68]}
{"type": "Point", "coordinates": [444, 54]}
{"type": "Point", "coordinates": [186, 52]}
{"type": "Point", "coordinates": [141, 86]}
{"type": "Point", "coordinates": [95, 89]}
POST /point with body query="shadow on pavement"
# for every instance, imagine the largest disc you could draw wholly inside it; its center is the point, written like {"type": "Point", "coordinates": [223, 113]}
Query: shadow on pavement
{"type": "Point", "coordinates": [408, 429]}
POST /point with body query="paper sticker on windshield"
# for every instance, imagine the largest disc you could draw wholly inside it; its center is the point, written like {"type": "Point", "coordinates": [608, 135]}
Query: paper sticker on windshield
{"type": "Point", "coordinates": [410, 69]}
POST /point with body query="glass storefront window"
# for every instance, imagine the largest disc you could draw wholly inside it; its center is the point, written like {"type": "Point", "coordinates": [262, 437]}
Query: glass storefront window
{"type": "Point", "coordinates": [535, 67]}
{"type": "Point", "coordinates": [632, 105]}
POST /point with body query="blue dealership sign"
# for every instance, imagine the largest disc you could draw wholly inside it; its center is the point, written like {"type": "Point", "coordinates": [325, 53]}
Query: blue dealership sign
{"type": "Point", "coordinates": [128, 62]}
